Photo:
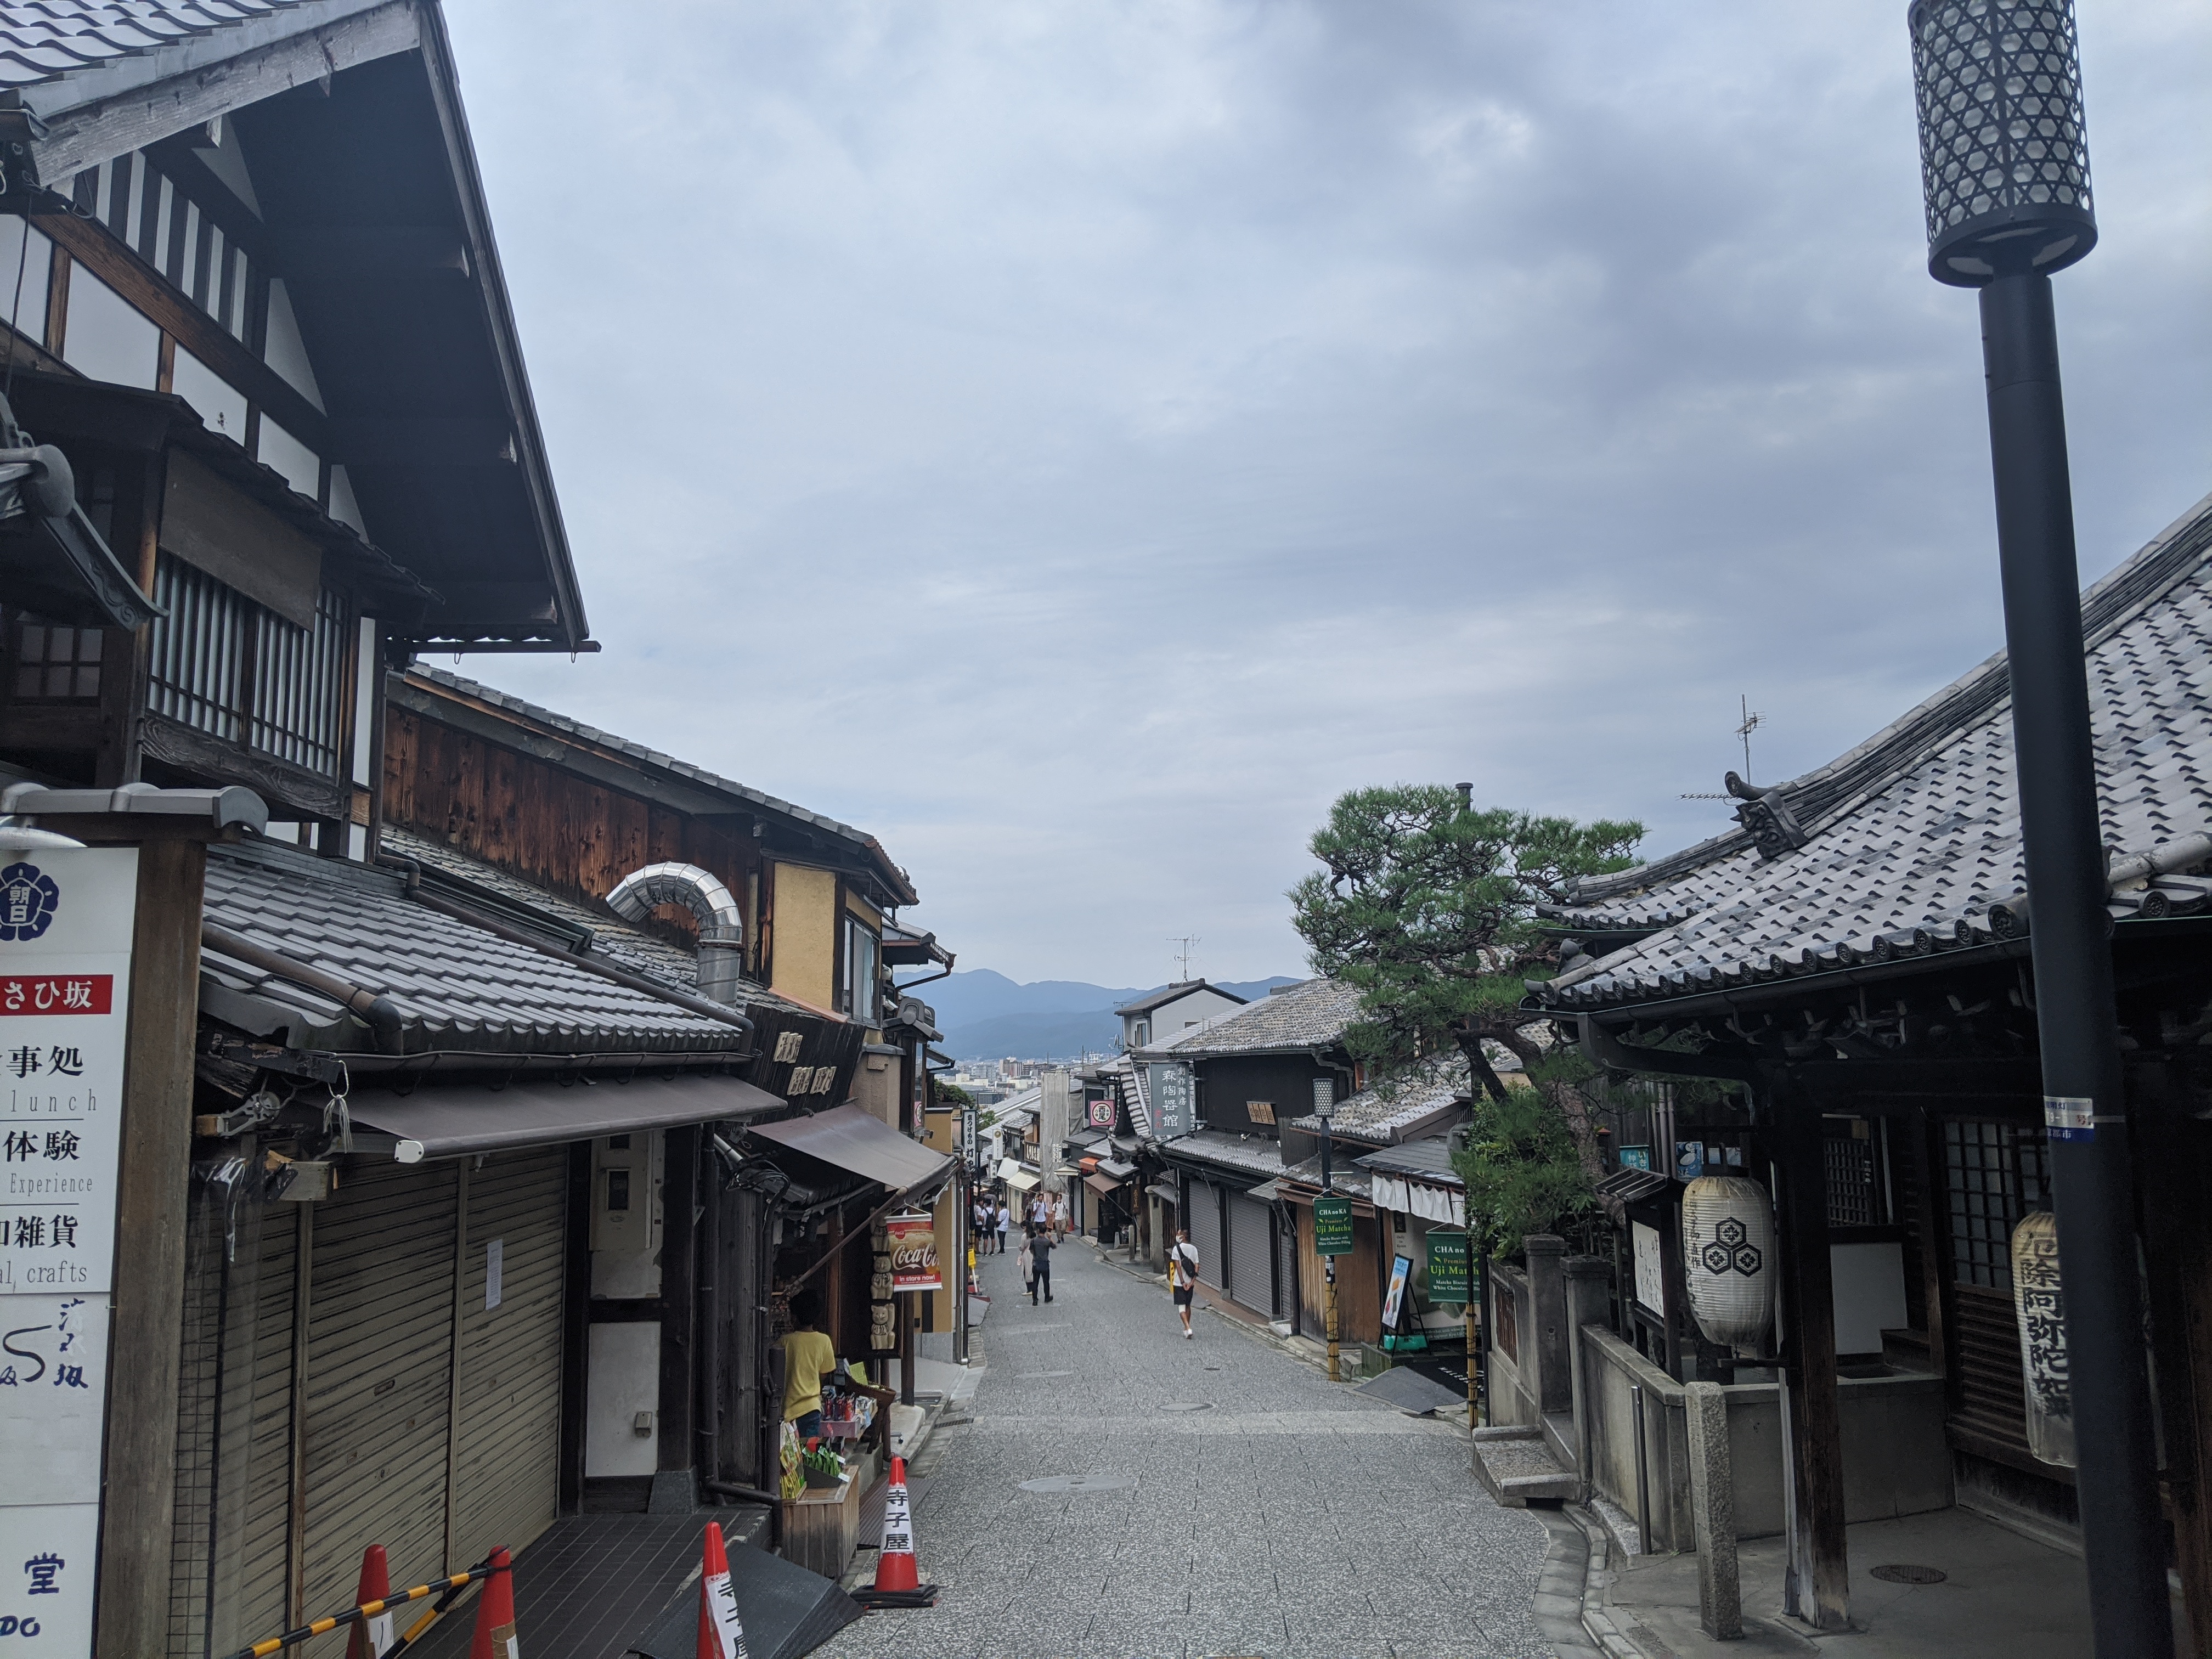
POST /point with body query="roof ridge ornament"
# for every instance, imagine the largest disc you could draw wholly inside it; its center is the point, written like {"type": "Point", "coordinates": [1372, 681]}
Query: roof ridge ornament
{"type": "Point", "coordinates": [1766, 816]}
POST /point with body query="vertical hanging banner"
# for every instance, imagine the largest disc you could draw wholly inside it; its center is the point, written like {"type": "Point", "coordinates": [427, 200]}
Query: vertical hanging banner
{"type": "Point", "coordinates": [65, 922]}
{"type": "Point", "coordinates": [914, 1253]}
{"type": "Point", "coordinates": [1175, 1106]}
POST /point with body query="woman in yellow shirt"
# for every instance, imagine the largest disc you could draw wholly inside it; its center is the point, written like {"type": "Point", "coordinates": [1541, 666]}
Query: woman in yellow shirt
{"type": "Point", "coordinates": [808, 1357]}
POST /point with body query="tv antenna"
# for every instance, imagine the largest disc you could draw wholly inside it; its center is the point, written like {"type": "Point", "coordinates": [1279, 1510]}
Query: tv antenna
{"type": "Point", "coordinates": [1752, 721]}
{"type": "Point", "coordinates": [1182, 957]}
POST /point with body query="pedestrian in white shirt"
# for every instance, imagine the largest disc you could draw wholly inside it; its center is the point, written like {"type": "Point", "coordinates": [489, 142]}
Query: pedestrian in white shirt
{"type": "Point", "coordinates": [1183, 1276]}
{"type": "Point", "coordinates": [1005, 1223]}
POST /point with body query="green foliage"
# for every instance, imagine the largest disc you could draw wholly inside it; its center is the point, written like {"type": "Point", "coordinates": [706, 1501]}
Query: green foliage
{"type": "Point", "coordinates": [1427, 907]}
{"type": "Point", "coordinates": [1523, 1170]}
{"type": "Point", "coordinates": [949, 1094]}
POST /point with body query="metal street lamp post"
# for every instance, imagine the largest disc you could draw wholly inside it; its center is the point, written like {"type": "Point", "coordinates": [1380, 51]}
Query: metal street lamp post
{"type": "Point", "coordinates": [1326, 1110]}
{"type": "Point", "coordinates": [2007, 182]}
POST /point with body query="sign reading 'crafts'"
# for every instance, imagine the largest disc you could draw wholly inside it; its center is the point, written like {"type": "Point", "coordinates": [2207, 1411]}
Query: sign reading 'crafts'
{"type": "Point", "coordinates": [65, 922]}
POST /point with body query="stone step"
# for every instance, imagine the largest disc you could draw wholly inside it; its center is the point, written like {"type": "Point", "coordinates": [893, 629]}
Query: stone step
{"type": "Point", "coordinates": [1520, 1471]}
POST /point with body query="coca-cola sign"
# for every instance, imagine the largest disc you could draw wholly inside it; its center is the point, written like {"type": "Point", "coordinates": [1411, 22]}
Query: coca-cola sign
{"type": "Point", "coordinates": [912, 1240]}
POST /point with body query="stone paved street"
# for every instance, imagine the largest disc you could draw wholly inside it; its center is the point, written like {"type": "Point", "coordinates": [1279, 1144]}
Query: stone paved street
{"type": "Point", "coordinates": [1268, 1513]}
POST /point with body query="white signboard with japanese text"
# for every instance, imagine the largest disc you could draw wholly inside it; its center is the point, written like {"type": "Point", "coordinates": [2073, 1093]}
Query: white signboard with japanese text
{"type": "Point", "coordinates": [65, 924]}
{"type": "Point", "coordinates": [1651, 1274]}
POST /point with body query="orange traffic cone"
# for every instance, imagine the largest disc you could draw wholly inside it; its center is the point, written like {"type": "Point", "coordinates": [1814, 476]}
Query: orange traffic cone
{"type": "Point", "coordinates": [495, 1635]}
{"type": "Point", "coordinates": [895, 1567]}
{"type": "Point", "coordinates": [721, 1634]}
{"type": "Point", "coordinates": [371, 1637]}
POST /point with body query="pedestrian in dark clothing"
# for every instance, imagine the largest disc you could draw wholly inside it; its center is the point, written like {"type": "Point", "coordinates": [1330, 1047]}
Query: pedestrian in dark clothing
{"type": "Point", "coordinates": [1041, 1248]}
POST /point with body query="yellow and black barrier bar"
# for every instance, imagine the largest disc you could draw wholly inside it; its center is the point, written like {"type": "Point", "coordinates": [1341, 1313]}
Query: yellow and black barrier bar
{"type": "Point", "coordinates": [444, 1589]}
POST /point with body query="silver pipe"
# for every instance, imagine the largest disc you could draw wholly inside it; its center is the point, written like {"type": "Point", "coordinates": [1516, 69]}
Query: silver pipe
{"type": "Point", "coordinates": [1643, 1475]}
{"type": "Point", "coordinates": [721, 923]}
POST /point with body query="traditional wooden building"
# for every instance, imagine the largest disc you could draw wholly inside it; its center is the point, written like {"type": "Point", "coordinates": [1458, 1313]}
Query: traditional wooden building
{"type": "Point", "coordinates": [1852, 965]}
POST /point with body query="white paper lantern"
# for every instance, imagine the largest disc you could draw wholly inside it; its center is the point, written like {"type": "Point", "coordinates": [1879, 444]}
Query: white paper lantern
{"type": "Point", "coordinates": [2039, 1308]}
{"type": "Point", "coordinates": [1728, 1255]}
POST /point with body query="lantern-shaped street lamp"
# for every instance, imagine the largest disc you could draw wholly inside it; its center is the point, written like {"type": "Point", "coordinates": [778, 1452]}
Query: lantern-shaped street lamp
{"type": "Point", "coordinates": [2006, 182]}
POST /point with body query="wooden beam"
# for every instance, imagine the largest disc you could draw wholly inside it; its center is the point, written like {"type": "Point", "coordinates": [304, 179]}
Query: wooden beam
{"type": "Point", "coordinates": [1816, 1575]}
{"type": "Point", "coordinates": [107, 127]}
{"type": "Point", "coordinates": [680, 1160]}
{"type": "Point", "coordinates": [99, 251]}
{"type": "Point", "coordinates": [292, 789]}
{"type": "Point", "coordinates": [152, 1192]}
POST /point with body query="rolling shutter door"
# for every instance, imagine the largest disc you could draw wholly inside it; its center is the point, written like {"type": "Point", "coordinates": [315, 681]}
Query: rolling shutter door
{"type": "Point", "coordinates": [379, 1343]}
{"type": "Point", "coordinates": [1205, 1225]}
{"type": "Point", "coordinates": [507, 1469]}
{"type": "Point", "coordinates": [1251, 1255]}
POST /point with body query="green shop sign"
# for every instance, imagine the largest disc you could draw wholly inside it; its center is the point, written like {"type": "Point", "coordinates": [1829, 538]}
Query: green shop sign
{"type": "Point", "coordinates": [1333, 1226]}
{"type": "Point", "coordinates": [1448, 1280]}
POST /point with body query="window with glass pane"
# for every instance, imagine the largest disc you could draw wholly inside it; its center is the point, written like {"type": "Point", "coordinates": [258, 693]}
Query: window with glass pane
{"type": "Point", "coordinates": [861, 954]}
{"type": "Point", "coordinates": [1994, 1174]}
{"type": "Point", "coordinates": [55, 664]}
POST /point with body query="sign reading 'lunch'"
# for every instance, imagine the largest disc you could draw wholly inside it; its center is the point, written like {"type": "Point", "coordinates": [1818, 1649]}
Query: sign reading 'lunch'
{"type": "Point", "coordinates": [65, 922]}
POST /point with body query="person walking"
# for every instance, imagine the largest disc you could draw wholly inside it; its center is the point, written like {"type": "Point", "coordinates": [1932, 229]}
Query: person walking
{"type": "Point", "coordinates": [1040, 1253]}
{"type": "Point", "coordinates": [1005, 1224]}
{"type": "Point", "coordinates": [1059, 1219]}
{"type": "Point", "coordinates": [984, 1218]}
{"type": "Point", "coordinates": [1183, 1276]}
{"type": "Point", "coordinates": [1028, 1266]}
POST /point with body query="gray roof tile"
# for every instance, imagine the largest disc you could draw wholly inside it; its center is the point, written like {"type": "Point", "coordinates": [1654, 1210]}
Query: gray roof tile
{"type": "Point", "coordinates": [1915, 833]}
{"type": "Point", "coordinates": [1309, 1015]}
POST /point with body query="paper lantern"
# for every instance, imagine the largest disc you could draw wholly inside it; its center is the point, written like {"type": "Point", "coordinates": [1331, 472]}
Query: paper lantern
{"type": "Point", "coordinates": [1728, 1255]}
{"type": "Point", "coordinates": [2040, 1307]}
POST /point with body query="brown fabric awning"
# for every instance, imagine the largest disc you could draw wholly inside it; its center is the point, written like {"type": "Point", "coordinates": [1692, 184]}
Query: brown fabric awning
{"type": "Point", "coordinates": [435, 1122]}
{"type": "Point", "coordinates": [1101, 1184]}
{"type": "Point", "coordinates": [853, 1139]}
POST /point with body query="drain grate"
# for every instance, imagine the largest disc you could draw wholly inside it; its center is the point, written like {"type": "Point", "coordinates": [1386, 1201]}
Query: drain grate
{"type": "Point", "coordinates": [1908, 1574]}
{"type": "Point", "coordinates": [1187, 1406]}
{"type": "Point", "coordinates": [1026, 1377]}
{"type": "Point", "coordinates": [1079, 1483]}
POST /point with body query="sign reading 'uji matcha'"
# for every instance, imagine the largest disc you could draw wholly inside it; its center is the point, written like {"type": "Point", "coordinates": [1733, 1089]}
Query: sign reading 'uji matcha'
{"type": "Point", "coordinates": [1333, 1226]}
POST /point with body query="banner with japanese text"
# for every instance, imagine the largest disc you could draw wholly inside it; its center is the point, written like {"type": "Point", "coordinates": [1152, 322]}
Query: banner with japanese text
{"type": "Point", "coordinates": [65, 924]}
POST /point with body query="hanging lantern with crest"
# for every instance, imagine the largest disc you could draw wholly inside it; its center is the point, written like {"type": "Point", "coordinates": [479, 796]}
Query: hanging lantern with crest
{"type": "Point", "coordinates": [1727, 1257]}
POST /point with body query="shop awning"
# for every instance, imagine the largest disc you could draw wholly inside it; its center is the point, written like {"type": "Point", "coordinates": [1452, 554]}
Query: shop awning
{"type": "Point", "coordinates": [1164, 1192]}
{"type": "Point", "coordinates": [435, 1122]}
{"type": "Point", "coordinates": [852, 1139]}
{"type": "Point", "coordinates": [1116, 1168]}
{"type": "Point", "coordinates": [1021, 1180]}
{"type": "Point", "coordinates": [1102, 1184]}
{"type": "Point", "coordinates": [1267, 1191]}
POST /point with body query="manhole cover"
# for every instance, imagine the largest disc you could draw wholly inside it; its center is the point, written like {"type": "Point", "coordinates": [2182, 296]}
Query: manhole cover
{"type": "Point", "coordinates": [1024, 1376]}
{"type": "Point", "coordinates": [1898, 1575]}
{"type": "Point", "coordinates": [1187, 1406]}
{"type": "Point", "coordinates": [1079, 1483]}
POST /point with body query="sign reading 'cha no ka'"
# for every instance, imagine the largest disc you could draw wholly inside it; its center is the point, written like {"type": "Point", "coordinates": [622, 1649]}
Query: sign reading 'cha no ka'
{"type": "Point", "coordinates": [912, 1240]}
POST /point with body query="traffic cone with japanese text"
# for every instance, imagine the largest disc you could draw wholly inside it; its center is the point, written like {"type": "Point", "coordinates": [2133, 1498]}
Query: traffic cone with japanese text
{"type": "Point", "coordinates": [895, 1566]}
{"type": "Point", "coordinates": [721, 1635]}
{"type": "Point", "coordinates": [495, 1633]}
{"type": "Point", "coordinates": [370, 1637]}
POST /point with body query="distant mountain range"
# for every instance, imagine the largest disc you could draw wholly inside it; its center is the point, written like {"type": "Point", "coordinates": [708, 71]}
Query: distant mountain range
{"type": "Point", "coordinates": [986, 1016]}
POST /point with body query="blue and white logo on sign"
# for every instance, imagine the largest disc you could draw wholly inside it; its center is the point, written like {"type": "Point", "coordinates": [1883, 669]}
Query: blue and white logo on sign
{"type": "Point", "coordinates": [28, 899]}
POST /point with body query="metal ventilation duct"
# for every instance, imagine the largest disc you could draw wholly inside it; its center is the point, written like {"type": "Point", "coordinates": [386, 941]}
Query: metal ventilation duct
{"type": "Point", "coordinates": [721, 924]}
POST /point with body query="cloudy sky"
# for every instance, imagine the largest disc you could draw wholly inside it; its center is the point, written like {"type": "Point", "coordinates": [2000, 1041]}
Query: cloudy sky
{"type": "Point", "coordinates": [1076, 440]}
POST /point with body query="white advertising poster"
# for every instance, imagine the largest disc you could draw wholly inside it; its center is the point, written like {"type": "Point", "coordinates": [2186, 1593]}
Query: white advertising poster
{"type": "Point", "coordinates": [1651, 1278]}
{"type": "Point", "coordinates": [66, 920]}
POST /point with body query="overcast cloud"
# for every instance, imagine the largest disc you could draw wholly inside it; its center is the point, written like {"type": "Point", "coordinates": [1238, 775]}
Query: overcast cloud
{"type": "Point", "coordinates": [1075, 441]}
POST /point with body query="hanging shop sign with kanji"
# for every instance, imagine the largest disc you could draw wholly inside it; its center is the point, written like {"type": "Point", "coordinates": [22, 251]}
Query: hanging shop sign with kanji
{"type": "Point", "coordinates": [65, 922]}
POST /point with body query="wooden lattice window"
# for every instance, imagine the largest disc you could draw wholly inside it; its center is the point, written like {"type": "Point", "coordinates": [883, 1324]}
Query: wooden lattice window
{"type": "Point", "coordinates": [1994, 1173]}
{"type": "Point", "coordinates": [57, 664]}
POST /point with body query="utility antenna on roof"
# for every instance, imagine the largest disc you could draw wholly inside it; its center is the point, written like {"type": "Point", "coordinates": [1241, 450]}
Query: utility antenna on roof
{"type": "Point", "coordinates": [1752, 722]}
{"type": "Point", "coordinates": [1182, 957]}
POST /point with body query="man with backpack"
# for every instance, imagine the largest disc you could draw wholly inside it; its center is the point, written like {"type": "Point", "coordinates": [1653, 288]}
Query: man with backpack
{"type": "Point", "coordinates": [1182, 1277]}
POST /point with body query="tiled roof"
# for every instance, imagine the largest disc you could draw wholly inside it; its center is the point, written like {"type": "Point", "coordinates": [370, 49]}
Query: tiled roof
{"type": "Point", "coordinates": [457, 987]}
{"type": "Point", "coordinates": [1345, 1179]}
{"type": "Point", "coordinates": [1309, 1015]}
{"type": "Point", "coordinates": [1376, 1116]}
{"type": "Point", "coordinates": [1253, 1155]}
{"type": "Point", "coordinates": [1914, 834]}
{"type": "Point", "coordinates": [48, 38]}
{"type": "Point", "coordinates": [1428, 1159]}
{"type": "Point", "coordinates": [1176, 992]}
{"type": "Point", "coordinates": [622, 943]}
{"type": "Point", "coordinates": [861, 839]}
